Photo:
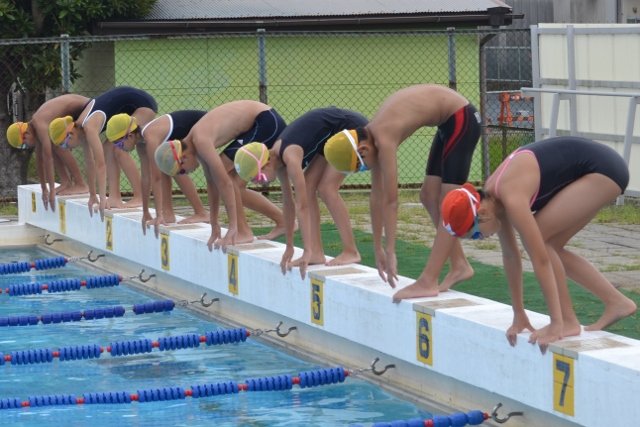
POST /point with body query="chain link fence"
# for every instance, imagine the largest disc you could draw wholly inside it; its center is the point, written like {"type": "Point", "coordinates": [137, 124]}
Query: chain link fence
{"type": "Point", "coordinates": [296, 72]}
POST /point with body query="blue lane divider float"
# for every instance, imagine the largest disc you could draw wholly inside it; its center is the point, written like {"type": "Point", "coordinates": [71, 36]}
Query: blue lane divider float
{"type": "Point", "coordinates": [88, 314]}
{"type": "Point", "coordinates": [306, 379]}
{"type": "Point", "coordinates": [458, 419]}
{"type": "Point", "coordinates": [124, 348]}
{"type": "Point", "coordinates": [62, 285]}
{"type": "Point", "coordinates": [39, 264]}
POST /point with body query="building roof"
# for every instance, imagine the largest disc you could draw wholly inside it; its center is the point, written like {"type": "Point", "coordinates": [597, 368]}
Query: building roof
{"type": "Point", "coordinates": [237, 9]}
{"type": "Point", "coordinates": [183, 16]}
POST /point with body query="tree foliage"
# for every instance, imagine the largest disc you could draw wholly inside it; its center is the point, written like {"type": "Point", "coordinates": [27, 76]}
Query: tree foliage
{"type": "Point", "coordinates": [37, 66]}
{"type": "Point", "coordinates": [34, 67]}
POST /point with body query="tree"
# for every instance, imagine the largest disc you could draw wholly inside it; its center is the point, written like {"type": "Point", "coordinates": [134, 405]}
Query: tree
{"type": "Point", "coordinates": [32, 68]}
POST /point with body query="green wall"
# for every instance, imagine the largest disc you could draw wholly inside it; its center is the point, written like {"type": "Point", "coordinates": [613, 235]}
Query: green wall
{"type": "Point", "coordinates": [303, 71]}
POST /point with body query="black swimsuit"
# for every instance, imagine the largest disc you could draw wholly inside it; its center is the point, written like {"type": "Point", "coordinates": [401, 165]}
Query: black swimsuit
{"type": "Point", "coordinates": [312, 130]}
{"type": "Point", "coordinates": [180, 123]}
{"type": "Point", "coordinates": [266, 129]}
{"type": "Point", "coordinates": [121, 99]}
{"type": "Point", "coordinates": [452, 148]}
{"type": "Point", "coordinates": [565, 159]}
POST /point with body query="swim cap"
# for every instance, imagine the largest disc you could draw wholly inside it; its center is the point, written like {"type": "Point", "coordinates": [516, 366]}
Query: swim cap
{"type": "Point", "coordinates": [459, 209]}
{"type": "Point", "coordinates": [59, 128]}
{"type": "Point", "coordinates": [250, 159]}
{"type": "Point", "coordinates": [342, 152]}
{"type": "Point", "coordinates": [120, 125]}
{"type": "Point", "coordinates": [168, 155]}
{"type": "Point", "coordinates": [15, 134]}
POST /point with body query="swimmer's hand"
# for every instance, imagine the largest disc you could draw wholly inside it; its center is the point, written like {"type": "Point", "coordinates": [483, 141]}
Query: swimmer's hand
{"type": "Point", "coordinates": [157, 222]}
{"type": "Point", "coordinates": [215, 235]}
{"type": "Point", "coordinates": [387, 267]}
{"type": "Point", "coordinates": [45, 199]}
{"type": "Point", "coordinates": [286, 259]}
{"type": "Point", "coordinates": [229, 239]}
{"type": "Point", "coordinates": [93, 200]}
{"type": "Point", "coordinates": [520, 323]}
{"type": "Point", "coordinates": [146, 222]}
{"type": "Point", "coordinates": [302, 263]}
{"type": "Point", "coordinates": [545, 336]}
{"type": "Point", "coordinates": [101, 207]}
{"type": "Point", "coordinates": [52, 199]}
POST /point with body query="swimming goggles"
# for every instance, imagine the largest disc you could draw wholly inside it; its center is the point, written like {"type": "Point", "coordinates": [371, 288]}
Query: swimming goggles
{"type": "Point", "coordinates": [182, 171]}
{"type": "Point", "coordinates": [363, 167]}
{"type": "Point", "coordinates": [120, 143]}
{"type": "Point", "coordinates": [261, 178]}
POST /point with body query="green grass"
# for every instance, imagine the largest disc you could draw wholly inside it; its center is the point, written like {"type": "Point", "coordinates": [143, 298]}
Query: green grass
{"type": "Point", "coordinates": [629, 213]}
{"type": "Point", "coordinates": [8, 209]}
{"type": "Point", "coordinates": [488, 281]}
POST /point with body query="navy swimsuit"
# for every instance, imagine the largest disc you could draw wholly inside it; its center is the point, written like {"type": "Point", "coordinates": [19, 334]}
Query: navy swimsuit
{"type": "Point", "coordinates": [312, 130]}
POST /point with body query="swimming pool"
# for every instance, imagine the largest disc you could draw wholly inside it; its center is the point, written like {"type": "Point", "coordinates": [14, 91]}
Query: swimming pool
{"type": "Point", "coordinates": [353, 401]}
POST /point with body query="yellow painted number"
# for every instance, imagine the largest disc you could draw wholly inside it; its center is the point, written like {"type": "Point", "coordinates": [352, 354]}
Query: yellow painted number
{"type": "Point", "coordinates": [33, 202]}
{"type": "Point", "coordinates": [164, 251]}
{"type": "Point", "coordinates": [108, 229]}
{"type": "Point", "coordinates": [424, 350]}
{"type": "Point", "coordinates": [563, 391]}
{"type": "Point", "coordinates": [232, 271]}
{"type": "Point", "coordinates": [317, 289]}
{"type": "Point", "coordinates": [63, 217]}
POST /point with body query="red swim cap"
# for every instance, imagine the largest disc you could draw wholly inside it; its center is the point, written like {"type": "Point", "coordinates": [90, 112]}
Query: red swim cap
{"type": "Point", "coordinates": [459, 209]}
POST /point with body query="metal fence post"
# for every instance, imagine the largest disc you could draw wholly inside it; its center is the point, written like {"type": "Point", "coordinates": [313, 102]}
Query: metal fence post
{"type": "Point", "coordinates": [486, 160]}
{"type": "Point", "coordinates": [453, 80]}
{"type": "Point", "coordinates": [65, 62]}
{"type": "Point", "coordinates": [262, 66]}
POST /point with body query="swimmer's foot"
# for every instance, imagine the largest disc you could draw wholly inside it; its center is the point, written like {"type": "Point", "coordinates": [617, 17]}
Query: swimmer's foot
{"type": "Point", "coordinates": [244, 238]}
{"type": "Point", "coordinates": [136, 202]}
{"type": "Point", "coordinates": [416, 290]}
{"type": "Point", "coordinates": [316, 260]}
{"type": "Point", "coordinates": [76, 189]}
{"type": "Point", "coordinates": [202, 217]}
{"type": "Point", "coordinates": [613, 312]}
{"type": "Point", "coordinates": [114, 203]}
{"type": "Point", "coordinates": [345, 258]}
{"type": "Point", "coordinates": [273, 234]}
{"type": "Point", "coordinates": [62, 189]}
{"type": "Point", "coordinates": [456, 276]}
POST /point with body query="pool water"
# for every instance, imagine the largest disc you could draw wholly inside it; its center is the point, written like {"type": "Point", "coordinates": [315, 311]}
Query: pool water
{"type": "Point", "coordinates": [353, 401]}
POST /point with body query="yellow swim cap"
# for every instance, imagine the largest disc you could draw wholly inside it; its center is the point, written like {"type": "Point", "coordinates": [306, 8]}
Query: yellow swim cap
{"type": "Point", "coordinates": [167, 156]}
{"type": "Point", "coordinates": [15, 134]}
{"type": "Point", "coordinates": [59, 128]}
{"type": "Point", "coordinates": [342, 152]}
{"type": "Point", "coordinates": [250, 159]}
{"type": "Point", "coordinates": [120, 125]}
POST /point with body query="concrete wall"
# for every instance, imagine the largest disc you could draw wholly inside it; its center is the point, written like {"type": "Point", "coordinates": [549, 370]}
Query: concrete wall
{"type": "Point", "coordinates": [451, 348]}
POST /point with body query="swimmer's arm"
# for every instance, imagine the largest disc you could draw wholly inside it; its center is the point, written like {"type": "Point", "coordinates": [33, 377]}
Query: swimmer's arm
{"type": "Point", "coordinates": [145, 176]}
{"type": "Point", "coordinates": [90, 170]}
{"type": "Point", "coordinates": [520, 215]}
{"type": "Point", "coordinates": [387, 160]}
{"type": "Point", "coordinates": [44, 156]}
{"type": "Point", "coordinates": [92, 129]}
{"type": "Point", "coordinates": [150, 174]}
{"type": "Point", "coordinates": [221, 180]}
{"type": "Point", "coordinates": [40, 170]}
{"type": "Point", "coordinates": [292, 158]}
{"type": "Point", "coordinates": [288, 206]}
{"type": "Point", "coordinates": [212, 195]}
{"type": "Point", "coordinates": [375, 208]}
{"type": "Point", "coordinates": [512, 263]}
